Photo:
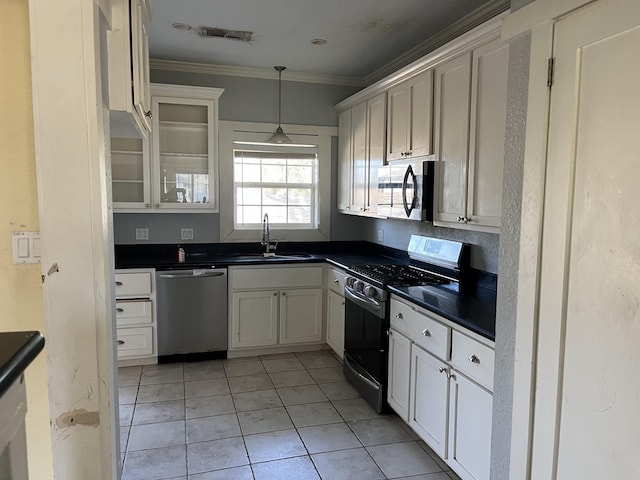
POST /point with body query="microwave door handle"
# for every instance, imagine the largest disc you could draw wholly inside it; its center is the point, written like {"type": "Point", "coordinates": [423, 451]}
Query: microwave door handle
{"type": "Point", "coordinates": [408, 208]}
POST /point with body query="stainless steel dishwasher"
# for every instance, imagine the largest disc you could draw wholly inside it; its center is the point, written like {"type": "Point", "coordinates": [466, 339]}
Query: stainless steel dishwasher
{"type": "Point", "coordinates": [192, 314]}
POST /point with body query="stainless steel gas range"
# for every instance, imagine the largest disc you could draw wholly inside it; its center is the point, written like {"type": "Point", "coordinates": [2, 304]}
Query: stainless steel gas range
{"type": "Point", "coordinates": [433, 262]}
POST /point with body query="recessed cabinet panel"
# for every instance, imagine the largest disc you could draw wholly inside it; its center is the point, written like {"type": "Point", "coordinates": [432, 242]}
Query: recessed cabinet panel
{"type": "Point", "coordinates": [398, 385]}
{"type": "Point", "coordinates": [453, 89]}
{"type": "Point", "coordinates": [344, 161]}
{"type": "Point", "coordinates": [255, 318]}
{"type": "Point", "coordinates": [335, 322]}
{"type": "Point", "coordinates": [301, 315]}
{"type": "Point", "coordinates": [359, 167]}
{"type": "Point", "coordinates": [488, 123]}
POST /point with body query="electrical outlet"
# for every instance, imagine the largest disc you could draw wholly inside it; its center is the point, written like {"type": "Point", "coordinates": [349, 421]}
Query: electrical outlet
{"type": "Point", "coordinates": [381, 235]}
{"type": "Point", "coordinates": [142, 234]}
{"type": "Point", "coordinates": [186, 234]}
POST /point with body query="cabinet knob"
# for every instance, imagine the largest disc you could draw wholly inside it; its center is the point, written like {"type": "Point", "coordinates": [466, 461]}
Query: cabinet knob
{"type": "Point", "coordinates": [157, 205]}
{"type": "Point", "coordinates": [146, 205]}
{"type": "Point", "coordinates": [388, 332]}
{"type": "Point", "coordinates": [474, 358]}
{"type": "Point", "coordinates": [148, 114]}
{"type": "Point", "coordinates": [120, 342]}
{"type": "Point", "coordinates": [442, 369]}
{"type": "Point", "coordinates": [461, 219]}
{"type": "Point", "coordinates": [399, 315]}
{"type": "Point", "coordinates": [342, 303]}
{"type": "Point", "coordinates": [119, 310]}
{"type": "Point", "coordinates": [426, 332]}
{"type": "Point", "coordinates": [284, 293]}
{"type": "Point", "coordinates": [336, 281]}
{"type": "Point", "coordinates": [118, 284]}
{"type": "Point", "coordinates": [408, 154]}
{"type": "Point", "coordinates": [275, 294]}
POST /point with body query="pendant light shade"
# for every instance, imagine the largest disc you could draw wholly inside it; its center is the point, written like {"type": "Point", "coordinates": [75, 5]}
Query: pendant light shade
{"type": "Point", "coordinates": [279, 137]}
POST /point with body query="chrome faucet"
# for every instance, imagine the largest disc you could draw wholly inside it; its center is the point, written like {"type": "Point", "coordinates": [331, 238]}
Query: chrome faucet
{"type": "Point", "coordinates": [266, 242]}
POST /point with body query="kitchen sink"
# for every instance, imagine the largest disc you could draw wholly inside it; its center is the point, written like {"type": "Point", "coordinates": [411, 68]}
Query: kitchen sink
{"type": "Point", "coordinates": [274, 256]}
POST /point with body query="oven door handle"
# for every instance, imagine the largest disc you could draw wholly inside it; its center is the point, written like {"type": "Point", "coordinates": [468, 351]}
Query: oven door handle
{"type": "Point", "coordinates": [372, 384]}
{"type": "Point", "coordinates": [361, 299]}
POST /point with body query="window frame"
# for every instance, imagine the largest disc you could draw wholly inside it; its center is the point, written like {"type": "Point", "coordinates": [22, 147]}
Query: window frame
{"type": "Point", "coordinates": [230, 132]}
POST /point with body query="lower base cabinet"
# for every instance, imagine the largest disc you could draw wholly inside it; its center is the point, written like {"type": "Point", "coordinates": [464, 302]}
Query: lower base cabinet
{"type": "Point", "coordinates": [429, 399]}
{"type": "Point", "coordinates": [435, 395]}
{"type": "Point", "coordinates": [335, 322]}
{"type": "Point", "coordinates": [470, 414]}
{"type": "Point", "coordinates": [290, 313]}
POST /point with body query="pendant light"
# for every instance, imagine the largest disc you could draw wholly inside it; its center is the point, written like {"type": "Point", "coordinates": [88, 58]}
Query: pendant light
{"type": "Point", "coordinates": [279, 136]}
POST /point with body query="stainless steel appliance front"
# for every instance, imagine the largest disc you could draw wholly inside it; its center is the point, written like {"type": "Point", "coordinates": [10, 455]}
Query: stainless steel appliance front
{"type": "Point", "coordinates": [405, 190]}
{"type": "Point", "coordinates": [192, 312]}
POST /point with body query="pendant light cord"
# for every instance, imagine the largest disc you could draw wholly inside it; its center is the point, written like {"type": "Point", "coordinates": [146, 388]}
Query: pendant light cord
{"type": "Point", "coordinates": [279, 69]}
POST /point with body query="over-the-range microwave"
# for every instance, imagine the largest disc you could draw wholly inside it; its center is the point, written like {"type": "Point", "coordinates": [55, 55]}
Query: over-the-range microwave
{"type": "Point", "coordinates": [405, 190]}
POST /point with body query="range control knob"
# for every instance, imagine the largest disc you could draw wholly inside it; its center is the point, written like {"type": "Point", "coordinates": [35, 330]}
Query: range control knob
{"type": "Point", "coordinates": [358, 285]}
{"type": "Point", "coordinates": [350, 281]}
{"type": "Point", "coordinates": [370, 291]}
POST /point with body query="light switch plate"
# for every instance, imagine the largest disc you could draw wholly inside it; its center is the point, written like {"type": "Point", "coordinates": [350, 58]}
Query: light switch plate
{"type": "Point", "coordinates": [26, 247]}
{"type": "Point", "coordinates": [142, 234]}
{"type": "Point", "coordinates": [186, 234]}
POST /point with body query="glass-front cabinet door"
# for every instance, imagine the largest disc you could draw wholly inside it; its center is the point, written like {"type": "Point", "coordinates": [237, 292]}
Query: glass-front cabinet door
{"type": "Point", "coordinates": [130, 173]}
{"type": "Point", "coordinates": [184, 153]}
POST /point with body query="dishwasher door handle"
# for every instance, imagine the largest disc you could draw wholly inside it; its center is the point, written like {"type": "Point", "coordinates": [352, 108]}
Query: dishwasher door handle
{"type": "Point", "coordinates": [191, 275]}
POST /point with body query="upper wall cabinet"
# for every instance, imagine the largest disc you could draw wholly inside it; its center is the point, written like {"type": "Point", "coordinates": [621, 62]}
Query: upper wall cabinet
{"type": "Point", "coordinates": [470, 117]}
{"type": "Point", "coordinates": [129, 98]}
{"type": "Point", "coordinates": [175, 168]}
{"type": "Point", "coordinates": [361, 138]}
{"type": "Point", "coordinates": [409, 118]}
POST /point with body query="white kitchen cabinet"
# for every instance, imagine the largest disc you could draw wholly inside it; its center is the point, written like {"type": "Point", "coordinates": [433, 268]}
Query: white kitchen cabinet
{"type": "Point", "coordinates": [429, 399]}
{"type": "Point", "coordinates": [301, 315]}
{"type": "Point", "coordinates": [335, 309]}
{"type": "Point", "coordinates": [443, 398]}
{"type": "Point", "coordinates": [129, 98]}
{"type": "Point", "coordinates": [470, 414]}
{"type": "Point", "coordinates": [254, 318]}
{"type": "Point", "coordinates": [361, 152]}
{"type": "Point", "coordinates": [399, 374]}
{"type": "Point", "coordinates": [175, 168]}
{"type": "Point", "coordinates": [470, 118]}
{"type": "Point", "coordinates": [409, 118]}
{"type": "Point", "coordinates": [136, 328]}
{"type": "Point", "coordinates": [275, 306]}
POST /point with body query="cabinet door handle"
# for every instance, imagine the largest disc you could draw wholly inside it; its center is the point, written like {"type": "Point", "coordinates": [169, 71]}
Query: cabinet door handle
{"type": "Point", "coordinates": [118, 284]}
{"type": "Point", "coordinates": [119, 310]}
{"type": "Point", "coordinates": [426, 332]}
{"type": "Point", "coordinates": [120, 342]}
{"type": "Point", "coordinates": [474, 358]}
{"type": "Point", "coordinates": [399, 315]}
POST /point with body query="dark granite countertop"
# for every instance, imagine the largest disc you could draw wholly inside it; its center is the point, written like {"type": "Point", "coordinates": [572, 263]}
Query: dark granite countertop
{"type": "Point", "coordinates": [475, 310]}
{"type": "Point", "coordinates": [17, 351]}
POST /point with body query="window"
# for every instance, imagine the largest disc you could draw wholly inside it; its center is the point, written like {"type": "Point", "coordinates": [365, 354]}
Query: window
{"type": "Point", "coordinates": [291, 183]}
{"type": "Point", "coordinates": [278, 180]}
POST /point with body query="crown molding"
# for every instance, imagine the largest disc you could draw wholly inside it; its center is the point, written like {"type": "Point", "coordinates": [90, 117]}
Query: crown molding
{"type": "Point", "coordinates": [267, 73]}
{"type": "Point", "coordinates": [471, 20]}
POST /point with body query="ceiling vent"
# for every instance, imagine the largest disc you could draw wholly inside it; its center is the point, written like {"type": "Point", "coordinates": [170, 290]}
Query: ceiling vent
{"type": "Point", "coordinates": [214, 32]}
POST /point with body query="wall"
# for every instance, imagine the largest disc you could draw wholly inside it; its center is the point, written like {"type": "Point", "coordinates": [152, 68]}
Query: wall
{"type": "Point", "coordinates": [20, 285]}
{"type": "Point", "coordinates": [396, 233]}
{"type": "Point", "coordinates": [517, 97]}
{"type": "Point", "coordinates": [246, 100]}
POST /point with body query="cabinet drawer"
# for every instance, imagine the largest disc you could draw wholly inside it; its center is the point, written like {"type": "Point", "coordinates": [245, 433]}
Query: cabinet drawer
{"type": "Point", "coordinates": [135, 342]}
{"type": "Point", "coordinates": [473, 359]}
{"type": "Point", "coordinates": [133, 313]}
{"type": "Point", "coordinates": [422, 330]}
{"type": "Point", "coordinates": [335, 280]}
{"type": "Point", "coordinates": [133, 284]}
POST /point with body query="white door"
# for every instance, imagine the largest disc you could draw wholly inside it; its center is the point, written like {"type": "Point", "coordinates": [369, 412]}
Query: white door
{"type": "Point", "coordinates": [399, 368]}
{"type": "Point", "coordinates": [301, 315]}
{"type": "Point", "coordinates": [359, 171]}
{"type": "Point", "coordinates": [429, 399]}
{"type": "Point", "coordinates": [587, 415]}
{"type": "Point", "coordinates": [254, 318]}
{"type": "Point", "coordinates": [470, 412]}
{"type": "Point", "coordinates": [344, 160]}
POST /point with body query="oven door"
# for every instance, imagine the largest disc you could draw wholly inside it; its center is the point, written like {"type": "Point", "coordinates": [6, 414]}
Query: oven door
{"type": "Point", "coordinates": [365, 346]}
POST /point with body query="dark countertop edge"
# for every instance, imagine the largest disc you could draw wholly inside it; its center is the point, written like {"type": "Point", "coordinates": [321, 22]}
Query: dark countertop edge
{"type": "Point", "coordinates": [24, 352]}
{"type": "Point", "coordinates": [475, 328]}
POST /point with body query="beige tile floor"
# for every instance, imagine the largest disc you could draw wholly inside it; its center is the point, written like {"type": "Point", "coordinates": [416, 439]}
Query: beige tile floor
{"type": "Point", "coordinates": [290, 416]}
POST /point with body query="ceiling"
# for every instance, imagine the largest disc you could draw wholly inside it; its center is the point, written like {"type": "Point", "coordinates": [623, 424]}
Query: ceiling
{"type": "Point", "coordinates": [363, 36]}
